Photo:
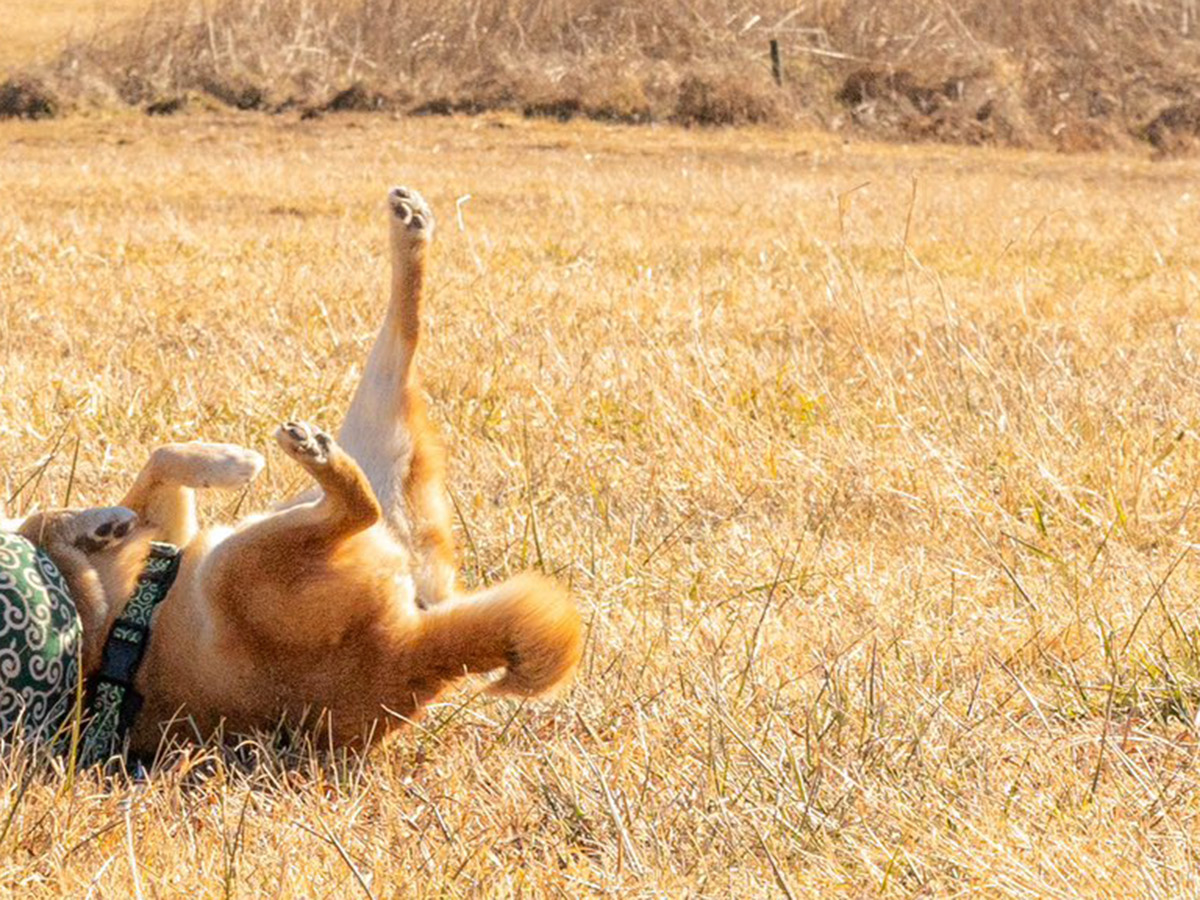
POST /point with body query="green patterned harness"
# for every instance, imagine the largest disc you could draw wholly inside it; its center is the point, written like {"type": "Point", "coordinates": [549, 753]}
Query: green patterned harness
{"type": "Point", "coordinates": [39, 642]}
{"type": "Point", "coordinates": [114, 702]}
{"type": "Point", "coordinates": [40, 637]}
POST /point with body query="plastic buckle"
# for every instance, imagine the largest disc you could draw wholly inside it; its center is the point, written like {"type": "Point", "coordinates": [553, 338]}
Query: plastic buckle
{"type": "Point", "coordinates": [121, 656]}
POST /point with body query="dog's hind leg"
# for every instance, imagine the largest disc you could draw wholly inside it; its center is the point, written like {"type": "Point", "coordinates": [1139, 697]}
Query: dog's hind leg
{"type": "Point", "coordinates": [386, 428]}
{"type": "Point", "coordinates": [163, 495]}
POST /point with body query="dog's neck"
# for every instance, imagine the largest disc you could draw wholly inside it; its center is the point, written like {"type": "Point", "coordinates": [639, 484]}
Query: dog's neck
{"type": "Point", "coordinates": [118, 570]}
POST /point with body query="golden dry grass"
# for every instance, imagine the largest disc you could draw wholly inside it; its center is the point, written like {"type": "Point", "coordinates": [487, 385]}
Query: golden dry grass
{"type": "Point", "coordinates": [37, 29]}
{"type": "Point", "coordinates": [873, 470]}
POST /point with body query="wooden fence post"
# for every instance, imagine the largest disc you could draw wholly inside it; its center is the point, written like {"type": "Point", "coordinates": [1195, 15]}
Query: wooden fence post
{"type": "Point", "coordinates": [776, 63]}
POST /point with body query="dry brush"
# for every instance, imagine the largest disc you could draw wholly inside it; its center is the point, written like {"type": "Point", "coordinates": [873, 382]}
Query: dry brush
{"type": "Point", "coordinates": [1073, 75]}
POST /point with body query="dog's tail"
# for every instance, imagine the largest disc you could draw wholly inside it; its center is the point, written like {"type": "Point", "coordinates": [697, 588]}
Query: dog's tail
{"type": "Point", "coordinates": [527, 625]}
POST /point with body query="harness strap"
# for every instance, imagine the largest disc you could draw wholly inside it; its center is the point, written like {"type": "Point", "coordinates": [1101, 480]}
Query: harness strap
{"type": "Point", "coordinates": [114, 702]}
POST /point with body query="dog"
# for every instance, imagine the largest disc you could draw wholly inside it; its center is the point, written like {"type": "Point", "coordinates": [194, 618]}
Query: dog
{"type": "Point", "coordinates": [336, 615]}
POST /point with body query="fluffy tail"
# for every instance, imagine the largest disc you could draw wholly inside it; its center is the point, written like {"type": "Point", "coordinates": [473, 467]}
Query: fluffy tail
{"type": "Point", "coordinates": [526, 625]}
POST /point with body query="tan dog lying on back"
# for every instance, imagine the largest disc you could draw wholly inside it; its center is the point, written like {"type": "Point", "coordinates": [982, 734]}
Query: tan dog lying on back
{"type": "Point", "coordinates": [338, 613]}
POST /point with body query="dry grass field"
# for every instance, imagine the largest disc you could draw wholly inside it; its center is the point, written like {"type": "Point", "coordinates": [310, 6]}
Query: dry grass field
{"type": "Point", "coordinates": [874, 472]}
{"type": "Point", "coordinates": [37, 29]}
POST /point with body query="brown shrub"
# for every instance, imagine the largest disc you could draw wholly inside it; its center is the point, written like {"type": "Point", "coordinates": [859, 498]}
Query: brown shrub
{"type": "Point", "coordinates": [619, 97]}
{"type": "Point", "coordinates": [23, 98]}
{"type": "Point", "coordinates": [168, 106]}
{"type": "Point", "coordinates": [562, 108]}
{"type": "Point", "coordinates": [1076, 74]}
{"type": "Point", "coordinates": [361, 98]}
{"type": "Point", "coordinates": [726, 98]}
{"type": "Point", "coordinates": [238, 92]}
{"type": "Point", "coordinates": [970, 108]}
{"type": "Point", "coordinates": [1176, 129]}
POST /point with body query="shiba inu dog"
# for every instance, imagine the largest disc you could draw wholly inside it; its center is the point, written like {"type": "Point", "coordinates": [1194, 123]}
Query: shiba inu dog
{"type": "Point", "coordinates": [337, 613]}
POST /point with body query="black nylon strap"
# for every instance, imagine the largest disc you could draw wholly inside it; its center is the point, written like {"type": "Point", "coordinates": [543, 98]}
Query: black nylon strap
{"type": "Point", "coordinates": [114, 703]}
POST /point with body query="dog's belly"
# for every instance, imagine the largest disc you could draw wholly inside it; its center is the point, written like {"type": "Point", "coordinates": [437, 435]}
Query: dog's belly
{"type": "Point", "coordinates": [286, 653]}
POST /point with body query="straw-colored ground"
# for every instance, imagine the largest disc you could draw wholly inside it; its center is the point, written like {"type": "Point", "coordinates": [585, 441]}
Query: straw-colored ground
{"type": "Point", "coordinates": [874, 472]}
{"type": "Point", "coordinates": [36, 29]}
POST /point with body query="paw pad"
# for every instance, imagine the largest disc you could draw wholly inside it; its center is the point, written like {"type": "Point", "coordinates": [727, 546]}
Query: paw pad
{"type": "Point", "coordinates": [100, 529]}
{"type": "Point", "coordinates": [304, 442]}
{"type": "Point", "coordinates": [410, 209]}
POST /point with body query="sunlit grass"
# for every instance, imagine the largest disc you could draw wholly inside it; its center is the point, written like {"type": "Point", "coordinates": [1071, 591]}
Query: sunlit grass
{"type": "Point", "coordinates": [38, 30]}
{"type": "Point", "coordinates": [878, 502]}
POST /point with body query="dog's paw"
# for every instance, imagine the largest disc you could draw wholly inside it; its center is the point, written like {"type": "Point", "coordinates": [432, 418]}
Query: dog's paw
{"type": "Point", "coordinates": [233, 466]}
{"type": "Point", "coordinates": [198, 464]}
{"type": "Point", "coordinates": [304, 443]}
{"type": "Point", "coordinates": [411, 216]}
{"type": "Point", "coordinates": [97, 530]}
